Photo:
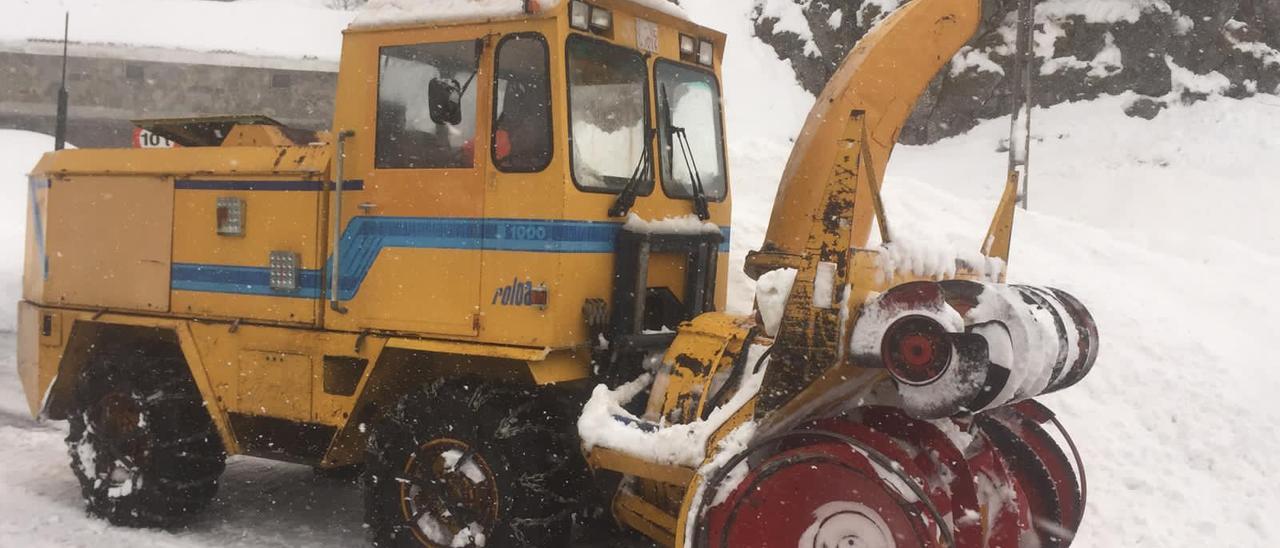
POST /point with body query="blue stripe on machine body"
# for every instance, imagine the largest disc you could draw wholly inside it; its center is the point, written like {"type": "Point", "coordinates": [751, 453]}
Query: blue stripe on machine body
{"type": "Point", "coordinates": [262, 186]}
{"type": "Point", "coordinates": [366, 237]}
{"type": "Point", "coordinates": [37, 218]}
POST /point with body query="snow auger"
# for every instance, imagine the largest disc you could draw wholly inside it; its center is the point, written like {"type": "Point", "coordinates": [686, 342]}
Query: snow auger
{"type": "Point", "coordinates": [866, 403]}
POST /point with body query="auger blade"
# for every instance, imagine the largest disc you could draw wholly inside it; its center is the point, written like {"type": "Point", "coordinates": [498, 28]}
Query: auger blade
{"type": "Point", "coordinates": [1046, 476]}
{"type": "Point", "coordinates": [823, 486]}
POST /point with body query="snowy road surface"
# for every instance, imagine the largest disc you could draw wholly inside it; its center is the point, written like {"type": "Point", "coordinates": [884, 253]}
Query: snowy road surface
{"type": "Point", "coordinates": [259, 504]}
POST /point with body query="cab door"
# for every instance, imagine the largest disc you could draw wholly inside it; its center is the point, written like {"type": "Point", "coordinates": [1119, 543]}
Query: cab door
{"type": "Point", "coordinates": [409, 252]}
{"type": "Point", "coordinates": [524, 201]}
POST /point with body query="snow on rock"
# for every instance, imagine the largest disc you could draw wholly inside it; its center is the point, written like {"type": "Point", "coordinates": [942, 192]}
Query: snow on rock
{"type": "Point", "coordinates": [969, 58]}
{"type": "Point", "coordinates": [1187, 81]}
{"type": "Point", "coordinates": [685, 224]}
{"type": "Point", "coordinates": [883, 8]}
{"type": "Point", "coordinates": [1099, 11]}
{"type": "Point", "coordinates": [605, 423]}
{"type": "Point", "coordinates": [837, 17]}
{"type": "Point", "coordinates": [790, 19]}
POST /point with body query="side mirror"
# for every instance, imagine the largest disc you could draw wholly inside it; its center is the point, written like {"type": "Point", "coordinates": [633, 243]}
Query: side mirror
{"type": "Point", "coordinates": [445, 99]}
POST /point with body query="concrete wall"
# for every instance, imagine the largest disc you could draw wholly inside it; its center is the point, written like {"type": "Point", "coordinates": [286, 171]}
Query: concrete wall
{"type": "Point", "coordinates": [111, 85]}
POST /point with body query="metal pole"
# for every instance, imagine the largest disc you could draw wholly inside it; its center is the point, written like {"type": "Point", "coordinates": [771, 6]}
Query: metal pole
{"type": "Point", "coordinates": [60, 125]}
{"type": "Point", "coordinates": [335, 272]}
{"type": "Point", "coordinates": [1021, 101]}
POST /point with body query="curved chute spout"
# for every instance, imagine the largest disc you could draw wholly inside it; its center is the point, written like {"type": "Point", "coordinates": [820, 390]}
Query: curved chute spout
{"type": "Point", "coordinates": [883, 76]}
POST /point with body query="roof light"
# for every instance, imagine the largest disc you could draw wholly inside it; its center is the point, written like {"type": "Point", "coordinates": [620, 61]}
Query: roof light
{"type": "Point", "coordinates": [580, 15]}
{"type": "Point", "coordinates": [688, 46]}
{"type": "Point", "coordinates": [601, 19]}
{"type": "Point", "coordinates": [706, 53]}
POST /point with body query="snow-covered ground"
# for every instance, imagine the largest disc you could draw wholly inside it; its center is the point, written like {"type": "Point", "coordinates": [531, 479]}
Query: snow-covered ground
{"type": "Point", "coordinates": [1167, 229]}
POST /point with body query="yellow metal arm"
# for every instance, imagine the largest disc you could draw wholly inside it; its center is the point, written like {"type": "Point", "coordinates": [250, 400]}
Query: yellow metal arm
{"type": "Point", "coordinates": [883, 77]}
{"type": "Point", "coordinates": [829, 194]}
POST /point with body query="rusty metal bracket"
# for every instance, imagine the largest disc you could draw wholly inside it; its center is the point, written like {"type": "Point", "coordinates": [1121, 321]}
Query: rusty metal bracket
{"type": "Point", "coordinates": [808, 341]}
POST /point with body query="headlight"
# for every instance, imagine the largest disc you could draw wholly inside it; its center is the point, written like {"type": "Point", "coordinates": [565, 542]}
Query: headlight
{"type": "Point", "coordinates": [580, 15]}
{"type": "Point", "coordinates": [706, 53]}
{"type": "Point", "coordinates": [688, 46]}
{"type": "Point", "coordinates": [601, 19]}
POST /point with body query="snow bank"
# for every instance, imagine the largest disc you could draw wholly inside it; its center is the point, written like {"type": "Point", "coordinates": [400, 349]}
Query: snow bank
{"type": "Point", "coordinates": [1195, 182]}
{"type": "Point", "coordinates": [19, 151]}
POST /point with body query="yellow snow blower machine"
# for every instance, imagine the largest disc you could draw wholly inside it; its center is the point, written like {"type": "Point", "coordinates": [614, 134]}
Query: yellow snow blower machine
{"type": "Point", "coordinates": [495, 288]}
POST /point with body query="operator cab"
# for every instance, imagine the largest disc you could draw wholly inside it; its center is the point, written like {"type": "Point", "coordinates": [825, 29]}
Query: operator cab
{"type": "Point", "coordinates": [492, 164]}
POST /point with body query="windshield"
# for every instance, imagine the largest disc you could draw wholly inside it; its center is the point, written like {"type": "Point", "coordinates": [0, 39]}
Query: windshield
{"type": "Point", "coordinates": [607, 107]}
{"type": "Point", "coordinates": [695, 107]}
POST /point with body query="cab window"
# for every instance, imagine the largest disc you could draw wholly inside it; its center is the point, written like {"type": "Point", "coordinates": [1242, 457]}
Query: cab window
{"type": "Point", "coordinates": [690, 135]}
{"type": "Point", "coordinates": [522, 105]}
{"type": "Point", "coordinates": [413, 131]}
{"type": "Point", "coordinates": [607, 115]}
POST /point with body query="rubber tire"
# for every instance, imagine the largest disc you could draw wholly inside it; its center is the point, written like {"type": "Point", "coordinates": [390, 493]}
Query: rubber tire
{"type": "Point", "coordinates": [185, 456]}
{"type": "Point", "coordinates": [536, 464]}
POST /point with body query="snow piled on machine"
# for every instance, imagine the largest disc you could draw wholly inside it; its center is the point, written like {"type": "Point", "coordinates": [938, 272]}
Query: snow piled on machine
{"type": "Point", "coordinates": [605, 422]}
{"type": "Point", "coordinates": [380, 13]}
{"type": "Point", "coordinates": [684, 224]}
{"type": "Point", "coordinates": [921, 256]}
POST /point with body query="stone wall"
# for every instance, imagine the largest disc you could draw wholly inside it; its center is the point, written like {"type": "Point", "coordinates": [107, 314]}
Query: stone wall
{"type": "Point", "coordinates": [1161, 50]}
{"type": "Point", "coordinates": [110, 86]}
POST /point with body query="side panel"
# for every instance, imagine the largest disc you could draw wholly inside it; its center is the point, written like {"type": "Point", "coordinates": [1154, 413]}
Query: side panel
{"type": "Point", "coordinates": [109, 242]}
{"type": "Point", "coordinates": [276, 384]}
{"type": "Point", "coordinates": [228, 275]}
{"type": "Point", "coordinates": [41, 337]}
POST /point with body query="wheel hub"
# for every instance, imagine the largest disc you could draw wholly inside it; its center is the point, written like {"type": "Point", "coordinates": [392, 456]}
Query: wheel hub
{"type": "Point", "coordinates": [121, 436]}
{"type": "Point", "coordinates": [847, 525]}
{"type": "Point", "coordinates": [448, 494]}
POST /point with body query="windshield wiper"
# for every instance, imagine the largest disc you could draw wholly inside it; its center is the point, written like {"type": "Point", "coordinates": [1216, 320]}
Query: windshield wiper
{"type": "Point", "coordinates": [680, 136]}
{"type": "Point", "coordinates": [644, 168]}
